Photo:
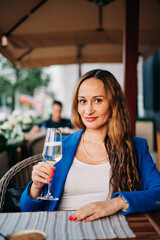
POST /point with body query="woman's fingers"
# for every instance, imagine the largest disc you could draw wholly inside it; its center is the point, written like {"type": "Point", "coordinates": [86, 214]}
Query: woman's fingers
{"type": "Point", "coordinates": [84, 213]}
{"type": "Point", "coordinates": [44, 166]}
{"type": "Point", "coordinates": [91, 218]}
{"type": "Point", "coordinates": [93, 211]}
{"type": "Point", "coordinates": [42, 173]}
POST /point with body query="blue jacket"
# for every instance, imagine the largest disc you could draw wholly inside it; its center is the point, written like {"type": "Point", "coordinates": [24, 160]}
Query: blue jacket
{"type": "Point", "coordinates": [139, 201]}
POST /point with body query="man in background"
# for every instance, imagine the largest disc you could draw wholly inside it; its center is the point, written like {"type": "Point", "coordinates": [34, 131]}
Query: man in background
{"type": "Point", "coordinates": [55, 121]}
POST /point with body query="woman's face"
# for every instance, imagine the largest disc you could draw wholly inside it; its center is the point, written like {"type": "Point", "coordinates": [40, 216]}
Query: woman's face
{"type": "Point", "coordinates": [93, 105]}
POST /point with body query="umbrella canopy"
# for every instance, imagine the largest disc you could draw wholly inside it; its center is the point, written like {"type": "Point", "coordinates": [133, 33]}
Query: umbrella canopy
{"type": "Point", "coordinates": [41, 33]}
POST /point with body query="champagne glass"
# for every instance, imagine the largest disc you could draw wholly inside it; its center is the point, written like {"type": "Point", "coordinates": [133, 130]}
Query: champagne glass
{"type": "Point", "coordinates": [52, 153]}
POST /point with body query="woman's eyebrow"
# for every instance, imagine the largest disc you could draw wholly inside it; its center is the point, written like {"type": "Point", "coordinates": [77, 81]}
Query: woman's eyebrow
{"type": "Point", "coordinates": [81, 97]}
{"type": "Point", "coordinates": [102, 96]}
{"type": "Point", "coordinates": [99, 96]}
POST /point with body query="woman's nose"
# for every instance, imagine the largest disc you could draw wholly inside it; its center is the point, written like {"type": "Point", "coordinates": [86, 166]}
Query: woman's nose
{"type": "Point", "coordinates": [89, 109]}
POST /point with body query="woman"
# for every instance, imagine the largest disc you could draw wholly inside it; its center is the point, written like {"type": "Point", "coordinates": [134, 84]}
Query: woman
{"type": "Point", "coordinates": [104, 169]}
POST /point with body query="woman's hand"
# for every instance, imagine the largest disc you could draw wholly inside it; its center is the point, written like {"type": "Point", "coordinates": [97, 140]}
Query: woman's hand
{"type": "Point", "coordinates": [42, 173]}
{"type": "Point", "coordinates": [97, 210]}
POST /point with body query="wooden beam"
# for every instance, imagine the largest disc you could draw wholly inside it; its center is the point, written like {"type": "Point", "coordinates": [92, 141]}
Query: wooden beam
{"type": "Point", "coordinates": [158, 148]}
{"type": "Point", "coordinates": [130, 56]}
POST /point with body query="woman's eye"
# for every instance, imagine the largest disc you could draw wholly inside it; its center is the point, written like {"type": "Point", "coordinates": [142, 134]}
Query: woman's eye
{"type": "Point", "coordinates": [98, 100]}
{"type": "Point", "coordinates": [82, 101]}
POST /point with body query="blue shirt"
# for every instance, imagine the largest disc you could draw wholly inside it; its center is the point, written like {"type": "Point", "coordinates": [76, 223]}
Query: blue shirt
{"type": "Point", "coordinates": [51, 124]}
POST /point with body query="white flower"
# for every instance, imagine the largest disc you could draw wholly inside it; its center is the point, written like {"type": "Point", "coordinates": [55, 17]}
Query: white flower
{"type": "Point", "coordinates": [16, 113]}
{"type": "Point", "coordinates": [20, 118]}
{"type": "Point", "coordinates": [2, 117]}
{"type": "Point", "coordinates": [31, 114]}
{"type": "Point", "coordinates": [27, 120]}
{"type": "Point", "coordinates": [16, 136]}
{"type": "Point", "coordinates": [13, 121]}
{"type": "Point", "coordinates": [6, 126]}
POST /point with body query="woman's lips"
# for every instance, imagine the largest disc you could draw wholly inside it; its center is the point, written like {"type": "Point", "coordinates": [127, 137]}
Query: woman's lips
{"type": "Point", "coordinates": [90, 119]}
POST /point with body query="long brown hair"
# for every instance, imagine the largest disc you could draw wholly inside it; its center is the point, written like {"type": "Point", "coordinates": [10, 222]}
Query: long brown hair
{"type": "Point", "coordinates": [123, 159]}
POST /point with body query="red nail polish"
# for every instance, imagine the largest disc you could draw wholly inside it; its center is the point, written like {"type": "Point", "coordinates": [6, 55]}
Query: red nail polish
{"type": "Point", "coordinates": [49, 179]}
{"type": "Point", "coordinates": [84, 219]}
{"type": "Point", "coordinates": [74, 219]}
{"type": "Point", "coordinates": [51, 173]}
{"type": "Point", "coordinates": [70, 218]}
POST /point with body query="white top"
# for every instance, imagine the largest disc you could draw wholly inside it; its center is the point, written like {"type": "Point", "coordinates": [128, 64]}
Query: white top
{"type": "Point", "coordinates": [85, 183]}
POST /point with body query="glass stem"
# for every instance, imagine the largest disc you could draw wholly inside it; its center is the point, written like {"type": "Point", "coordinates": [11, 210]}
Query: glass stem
{"type": "Point", "coordinates": [49, 189]}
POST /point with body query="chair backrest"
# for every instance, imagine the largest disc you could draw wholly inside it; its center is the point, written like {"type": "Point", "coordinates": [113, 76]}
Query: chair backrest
{"type": "Point", "coordinates": [145, 129]}
{"type": "Point", "coordinates": [15, 180]}
{"type": "Point", "coordinates": [36, 145]}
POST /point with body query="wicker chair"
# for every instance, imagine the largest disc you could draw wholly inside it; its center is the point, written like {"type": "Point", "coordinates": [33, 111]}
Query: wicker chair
{"type": "Point", "coordinates": [13, 183]}
{"type": "Point", "coordinates": [36, 145]}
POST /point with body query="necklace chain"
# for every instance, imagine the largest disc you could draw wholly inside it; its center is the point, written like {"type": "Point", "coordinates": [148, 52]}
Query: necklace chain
{"type": "Point", "coordinates": [95, 160]}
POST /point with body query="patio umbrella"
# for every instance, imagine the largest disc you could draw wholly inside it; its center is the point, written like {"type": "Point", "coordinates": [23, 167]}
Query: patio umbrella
{"type": "Point", "coordinates": [39, 32]}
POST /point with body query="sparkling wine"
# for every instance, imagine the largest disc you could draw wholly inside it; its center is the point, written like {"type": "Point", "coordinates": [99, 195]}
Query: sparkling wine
{"type": "Point", "coordinates": [52, 152]}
